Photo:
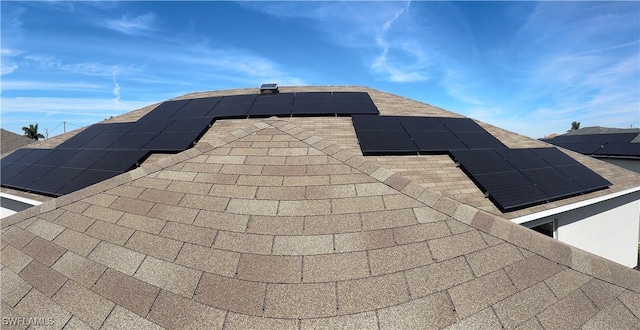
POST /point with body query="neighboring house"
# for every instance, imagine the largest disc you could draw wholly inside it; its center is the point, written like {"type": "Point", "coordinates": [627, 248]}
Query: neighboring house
{"type": "Point", "coordinates": [618, 146]}
{"type": "Point", "coordinates": [281, 222]}
{"type": "Point", "coordinates": [11, 141]}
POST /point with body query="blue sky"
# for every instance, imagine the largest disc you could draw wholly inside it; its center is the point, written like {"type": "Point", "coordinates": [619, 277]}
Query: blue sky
{"type": "Point", "coordinates": [531, 67]}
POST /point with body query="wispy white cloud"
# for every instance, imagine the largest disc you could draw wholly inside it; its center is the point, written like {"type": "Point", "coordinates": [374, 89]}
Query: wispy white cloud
{"type": "Point", "coordinates": [69, 106]}
{"type": "Point", "coordinates": [116, 89]}
{"type": "Point", "coordinates": [40, 85]}
{"type": "Point", "coordinates": [133, 25]}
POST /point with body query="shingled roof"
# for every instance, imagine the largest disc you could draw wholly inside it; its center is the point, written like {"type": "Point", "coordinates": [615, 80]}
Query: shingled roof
{"type": "Point", "coordinates": [281, 223]}
{"type": "Point", "coordinates": [10, 141]}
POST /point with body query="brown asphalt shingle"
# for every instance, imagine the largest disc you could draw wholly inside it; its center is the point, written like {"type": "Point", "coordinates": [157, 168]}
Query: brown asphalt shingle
{"type": "Point", "coordinates": [281, 223]}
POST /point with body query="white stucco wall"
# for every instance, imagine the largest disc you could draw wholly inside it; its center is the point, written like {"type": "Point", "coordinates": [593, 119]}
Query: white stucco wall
{"type": "Point", "coordinates": [608, 228]}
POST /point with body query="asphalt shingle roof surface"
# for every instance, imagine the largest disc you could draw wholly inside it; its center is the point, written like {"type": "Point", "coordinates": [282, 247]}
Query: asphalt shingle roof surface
{"type": "Point", "coordinates": [272, 224]}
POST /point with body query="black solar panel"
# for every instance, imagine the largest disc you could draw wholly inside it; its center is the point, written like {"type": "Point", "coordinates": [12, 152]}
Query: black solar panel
{"type": "Point", "coordinates": [173, 141]}
{"type": "Point", "coordinates": [619, 149]}
{"type": "Point", "coordinates": [233, 110]}
{"type": "Point", "coordinates": [510, 190]}
{"type": "Point", "coordinates": [386, 143]}
{"type": "Point", "coordinates": [584, 177]}
{"type": "Point", "coordinates": [15, 156]}
{"type": "Point", "coordinates": [101, 141]}
{"type": "Point", "coordinates": [151, 126]}
{"type": "Point", "coordinates": [133, 141]}
{"type": "Point", "coordinates": [269, 109]}
{"type": "Point", "coordinates": [430, 124]}
{"type": "Point", "coordinates": [351, 97]}
{"type": "Point", "coordinates": [553, 183]}
{"type": "Point", "coordinates": [522, 159]}
{"type": "Point", "coordinates": [164, 110]}
{"type": "Point", "coordinates": [57, 157]}
{"type": "Point", "coordinates": [84, 158]}
{"type": "Point", "coordinates": [188, 125]}
{"type": "Point", "coordinates": [436, 142]}
{"type": "Point", "coordinates": [477, 162]}
{"type": "Point", "coordinates": [461, 125]}
{"type": "Point", "coordinates": [197, 107]}
{"type": "Point", "coordinates": [85, 179]}
{"type": "Point", "coordinates": [76, 141]}
{"type": "Point", "coordinates": [54, 180]}
{"type": "Point", "coordinates": [313, 109]}
{"type": "Point", "coordinates": [376, 123]}
{"type": "Point", "coordinates": [118, 128]}
{"type": "Point", "coordinates": [351, 108]}
{"type": "Point", "coordinates": [554, 156]}
{"type": "Point", "coordinates": [237, 99]}
{"type": "Point", "coordinates": [94, 129]}
{"type": "Point", "coordinates": [26, 177]}
{"type": "Point", "coordinates": [11, 170]}
{"type": "Point", "coordinates": [275, 98]}
{"type": "Point", "coordinates": [120, 160]}
{"type": "Point", "coordinates": [33, 156]}
{"type": "Point", "coordinates": [583, 148]}
{"type": "Point", "coordinates": [313, 97]}
{"type": "Point", "coordinates": [479, 140]}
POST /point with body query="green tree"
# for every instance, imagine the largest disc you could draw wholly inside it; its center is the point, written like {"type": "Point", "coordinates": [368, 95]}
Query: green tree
{"type": "Point", "coordinates": [32, 132]}
{"type": "Point", "coordinates": [575, 125]}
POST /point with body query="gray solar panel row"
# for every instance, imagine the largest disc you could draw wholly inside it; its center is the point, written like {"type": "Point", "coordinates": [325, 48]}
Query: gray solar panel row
{"type": "Point", "coordinates": [104, 150]}
{"type": "Point", "coordinates": [517, 178]}
{"type": "Point", "coordinates": [618, 144]}
{"type": "Point", "coordinates": [430, 135]}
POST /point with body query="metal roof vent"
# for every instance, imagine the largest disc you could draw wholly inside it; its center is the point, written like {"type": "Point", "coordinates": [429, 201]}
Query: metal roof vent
{"type": "Point", "coordinates": [269, 88]}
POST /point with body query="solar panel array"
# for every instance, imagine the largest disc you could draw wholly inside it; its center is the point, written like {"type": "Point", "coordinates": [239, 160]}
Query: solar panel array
{"type": "Point", "coordinates": [402, 135]}
{"type": "Point", "coordinates": [102, 151]}
{"type": "Point", "coordinates": [518, 178]}
{"type": "Point", "coordinates": [599, 144]}
{"type": "Point", "coordinates": [511, 178]}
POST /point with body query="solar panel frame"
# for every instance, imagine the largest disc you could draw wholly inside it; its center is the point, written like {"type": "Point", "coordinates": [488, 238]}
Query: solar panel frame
{"type": "Point", "coordinates": [57, 157]}
{"type": "Point", "coordinates": [165, 110]}
{"type": "Point", "coordinates": [584, 177]}
{"type": "Point", "coordinates": [461, 124]}
{"type": "Point", "coordinates": [133, 141]}
{"type": "Point", "coordinates": [16, 155]}
{"type": "Point", "coordinates": [510, 191]}
{"type": "Point", "coordinates": [313, 97]}
{"type": "Point", "coordinates": [238, 99]}
{"type": "Point", "coordinates": [420, 124]}
{"type": "Point", "coordinates": [386, 143]}
{"type": "Point", "coordinates": [235, 110]}
{"type": "Point", "coordinates": [275, 98]}
{"type": "Point", "coordinates": [355, 108]}
{"type": "Point", "coordinates": [522, 159]}
{"type": "Point", "coordinates": [479, 140]}
{"type": "Point", "coordinates": [173, 141]}
{"type": "Point", "coordinates": [84, 158]}
{"type": "Point", "coordinates": [376, 123]}
{"type": "Point", "coordinates": [11, 170]}
{"type": "Point", "coordinates": [269, 109]}
{"type": "Point", "coordinates": [119, 128]}
{"type": "Point", "coordinates": [351, 97]}
{"type": "Point", "coordinates": [102, 141]}
{"type": "Point", "coordinates": [193, 124]}
{"type": "Point", "coordinates": [554, 156]}
{"type": "Point", "coordinates": [313, 109]}
{"type": "Point", "coordinates": [619, 149]}
{"type": "Point", "coordinates": [436, 142]}
{"type": "Point", "coordinates": [553, 183]}
{"type": "Point", "coordinates": [53, 181]}
{"type": "Point", "coordinates": [85, 179]}
{"type": "Point", "coordinates": [151, 126]}
{"type": "Point", "coordinates": [481, 161]}
{"type": "Point", "coordinates": [34, 156]}
{"type": "Point", "coordinates": [26, 177]}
